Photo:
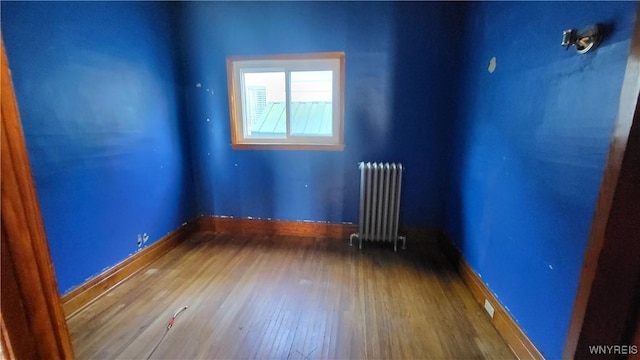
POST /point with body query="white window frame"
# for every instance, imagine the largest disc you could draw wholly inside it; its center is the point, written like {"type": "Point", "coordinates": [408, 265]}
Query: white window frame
{"type": "Point", "coordinates": [237, 66]}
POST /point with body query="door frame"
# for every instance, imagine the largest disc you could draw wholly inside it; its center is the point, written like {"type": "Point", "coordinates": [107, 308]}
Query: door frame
{"type": "Point", "coordinates": [603, 311]}
{"type": "Point", "coordinates": [31, 315]}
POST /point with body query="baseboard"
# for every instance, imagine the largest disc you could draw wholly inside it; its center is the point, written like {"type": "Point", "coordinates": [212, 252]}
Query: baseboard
{"type": "Point", "coordinates": [513, 335]}
{"type": "Point", "coordinates": [91, 290]}
{"type": "Point", "coordinates": [83, 295]}
{"type": "Point", "coordinates": [275, 227]}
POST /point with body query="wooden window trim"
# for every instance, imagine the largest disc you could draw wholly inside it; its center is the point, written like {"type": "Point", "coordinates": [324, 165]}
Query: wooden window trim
{"type": "Point", "coordinates": [237, 140]}
{"type": "Point", "coordinates": [332, 147]}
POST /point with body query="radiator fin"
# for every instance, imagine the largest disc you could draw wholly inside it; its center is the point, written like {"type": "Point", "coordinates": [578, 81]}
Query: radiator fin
{"type": "Point", "coordinates": [380, 189]}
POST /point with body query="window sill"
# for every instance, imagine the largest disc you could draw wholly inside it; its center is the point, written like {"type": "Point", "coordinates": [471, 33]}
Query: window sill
{"type": "Point", "coordinates": [321, 147]}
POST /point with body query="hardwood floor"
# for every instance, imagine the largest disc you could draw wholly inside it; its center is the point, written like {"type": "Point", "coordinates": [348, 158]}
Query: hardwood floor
{"type": "Point", "coordinates": [290, 298]}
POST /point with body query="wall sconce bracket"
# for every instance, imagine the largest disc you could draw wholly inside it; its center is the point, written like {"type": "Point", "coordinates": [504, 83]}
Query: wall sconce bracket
{"type": "Point", "coordinates": [585, 40]}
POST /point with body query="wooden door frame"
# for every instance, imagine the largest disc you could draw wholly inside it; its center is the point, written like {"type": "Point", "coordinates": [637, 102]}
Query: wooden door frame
{"type": "Point", "coordinates": [31, 315]}
{"type": "Point", "coordinates": [603, 311]}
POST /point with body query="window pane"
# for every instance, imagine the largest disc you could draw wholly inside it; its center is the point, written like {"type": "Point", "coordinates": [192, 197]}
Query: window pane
{"type": "Point", "coordinates": [311, 103]}
{"type": "Point", "coordinates": [264, 105]}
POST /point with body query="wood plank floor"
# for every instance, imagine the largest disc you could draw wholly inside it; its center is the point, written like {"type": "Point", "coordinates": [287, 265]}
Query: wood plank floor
{"type": "Point", "coordinates": [272, 297]}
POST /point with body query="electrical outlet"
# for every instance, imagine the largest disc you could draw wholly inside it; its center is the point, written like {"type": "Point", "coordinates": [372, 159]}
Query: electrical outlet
{"type": "Point", "coordinates": [139, 240]}
{"type": "Point", "coordinates": [489, 308]}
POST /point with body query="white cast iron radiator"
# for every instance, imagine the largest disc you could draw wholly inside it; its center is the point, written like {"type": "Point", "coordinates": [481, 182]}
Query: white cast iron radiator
{"type": "Point", "coordinates": [380, 186]}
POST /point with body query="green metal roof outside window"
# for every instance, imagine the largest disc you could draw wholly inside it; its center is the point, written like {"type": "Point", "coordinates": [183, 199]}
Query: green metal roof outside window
{"type": "Point", "coordinates": [307, 119]}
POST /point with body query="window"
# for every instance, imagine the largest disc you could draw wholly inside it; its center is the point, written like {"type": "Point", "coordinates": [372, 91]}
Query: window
{"type": "Point", "coordinates": [287, 101]}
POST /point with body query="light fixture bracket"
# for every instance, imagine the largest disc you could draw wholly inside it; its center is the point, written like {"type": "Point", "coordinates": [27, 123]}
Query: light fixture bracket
{"type": "Point", "coordinates": [584, 40]}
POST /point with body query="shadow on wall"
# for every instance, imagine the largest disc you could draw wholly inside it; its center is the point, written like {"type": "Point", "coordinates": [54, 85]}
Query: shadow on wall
{"type": "Point", "coordinates": [188, 197]}
{"type": "Point", "coordinates": [526, 165]}
{"type": "Point", "coordinates": [102, 124]}
{"type": "Point", "coordinates": [423, 103]}
{"type": "Point", "coordinates": [397, 107]}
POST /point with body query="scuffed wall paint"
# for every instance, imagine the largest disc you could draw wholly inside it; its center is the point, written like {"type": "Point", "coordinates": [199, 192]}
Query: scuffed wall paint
{"type": "Point", "coordinates": [398, 103]}
{"type": "Point", "coordinates": [528, 151]}
{"type": "Point", "coordinates": [96, 89]}
{"type": "Point", "coordinates": [493, 63]}
{"type": "Point", "coordinates": [515, 154]}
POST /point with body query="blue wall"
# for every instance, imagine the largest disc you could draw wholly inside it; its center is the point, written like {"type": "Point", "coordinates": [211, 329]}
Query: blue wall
{"type": "Point", "coordinates": [96, 88]}
{"type": "Point", "coordinates": [398, 103]}
{"type": "Point", "coordinates": [116, 108]}
{"type": "Point", "coordinates": [529, 149]}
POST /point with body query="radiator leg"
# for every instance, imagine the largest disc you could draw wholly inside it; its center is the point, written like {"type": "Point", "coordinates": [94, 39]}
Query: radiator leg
{"type": "Point", "coordinates": [360, 239]}
{"type": "Point", "coordinates": [351, 238]}
{"type": "Point", "coordinates": [404, 242]}
{"type": "Point", "coordinates": [395, 244]}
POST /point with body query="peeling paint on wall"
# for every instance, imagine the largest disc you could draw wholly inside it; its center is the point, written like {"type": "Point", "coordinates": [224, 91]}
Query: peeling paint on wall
{"type": "Point", "coordinates": [104, 120]}
{"type": "Point", "coordinates": [492, 65]}
{"type": "Point", "coordinates": [527, 178]}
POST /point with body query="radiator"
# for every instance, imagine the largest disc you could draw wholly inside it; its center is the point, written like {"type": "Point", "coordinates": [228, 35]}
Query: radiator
{"type": "Point", "coordinates": [380, 186]}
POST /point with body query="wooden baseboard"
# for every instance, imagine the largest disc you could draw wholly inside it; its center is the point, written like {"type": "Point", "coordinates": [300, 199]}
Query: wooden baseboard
{"type": "Point", "coordinates": [91, 290]}
{"type": "Point", "coordinates": [83, 295]}
{"type": "Point", "coordinates": [275, 227]}
{"type": "Point", "coordinates": [86, 293]}
{"type": "Point", "coordinates": [513, 335]}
